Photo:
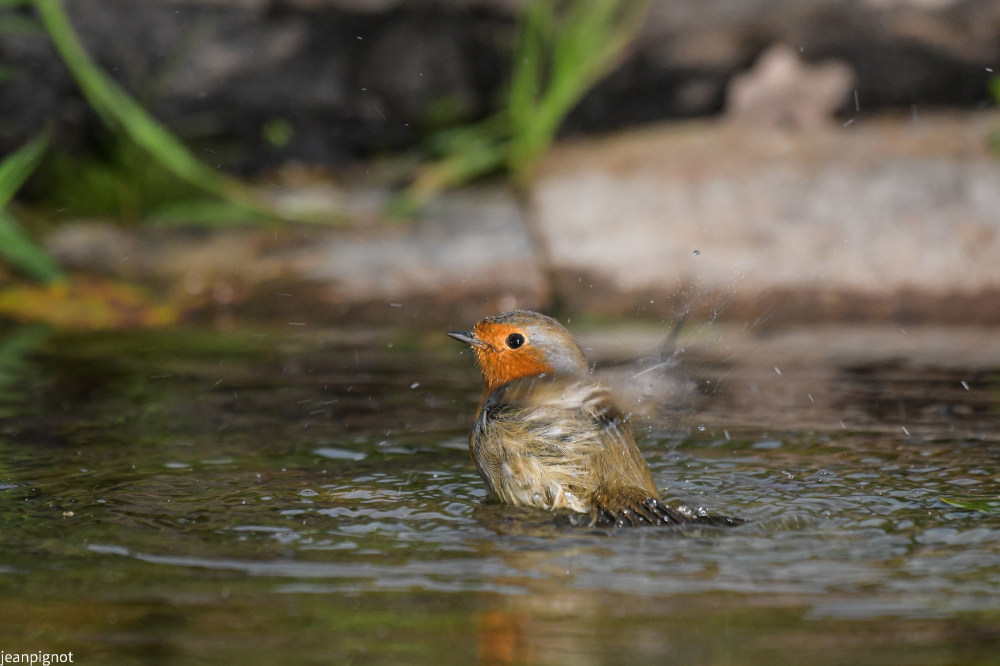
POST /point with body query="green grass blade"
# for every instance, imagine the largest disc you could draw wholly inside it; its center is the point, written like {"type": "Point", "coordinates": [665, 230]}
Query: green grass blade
{"type": "Point", "coordinates": [477, 159]}
{"type": "Point", "coordinates": [582, 38]}
{"type": "Point", "coordinates": [582, 49]}
{"type": "Point", "coordinates": [19, 165]}
{"type": "Point", "coordinates": [94, 85]}
{"type": "Point", "coordinates": [209, 213]}
{"type": "Point", "coordinates": [527, 66]}
{"type": "Point", "coordinates": [118, 109]}
{"type": "Point", "coordinates": [15, 245]}
{"type": "Point", "coordinates": [561, 51]}
{"type": "Point", "coordinates": [18, 249]}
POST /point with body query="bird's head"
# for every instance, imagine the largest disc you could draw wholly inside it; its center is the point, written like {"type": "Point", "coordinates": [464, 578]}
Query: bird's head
{"type": "Point", "coordinates": [521, 343]}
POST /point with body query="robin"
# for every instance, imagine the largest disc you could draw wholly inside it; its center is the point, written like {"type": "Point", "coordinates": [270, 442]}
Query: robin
{"type": "Point", "coordinates": [547, 435]}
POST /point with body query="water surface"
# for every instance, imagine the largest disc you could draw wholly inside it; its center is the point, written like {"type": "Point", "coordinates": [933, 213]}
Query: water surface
{"type": "Point", "coordinates": [302, 496]}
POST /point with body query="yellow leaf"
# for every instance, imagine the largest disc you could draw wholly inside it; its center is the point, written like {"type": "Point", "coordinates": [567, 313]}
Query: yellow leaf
{"type": "Point", "coordinates": [84, 303]}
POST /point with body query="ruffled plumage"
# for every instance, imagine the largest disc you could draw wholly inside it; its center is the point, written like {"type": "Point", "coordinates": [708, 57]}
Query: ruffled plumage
{"type": "Point", "coordinates": [547, 435]}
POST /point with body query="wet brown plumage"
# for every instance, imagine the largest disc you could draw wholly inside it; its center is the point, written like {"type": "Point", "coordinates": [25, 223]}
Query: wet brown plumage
{"type": "Point", "coordinates": [547, 435]}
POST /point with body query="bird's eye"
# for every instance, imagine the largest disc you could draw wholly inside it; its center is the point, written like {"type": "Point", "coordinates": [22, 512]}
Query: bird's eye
{"type": "Point", "coordinates": [514, 340]}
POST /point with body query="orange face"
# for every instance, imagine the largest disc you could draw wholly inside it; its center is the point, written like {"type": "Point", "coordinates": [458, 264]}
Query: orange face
{"type": "Point", "coordinates": [521, 343]}
{"type": "Point", "coordinates": [504, 353]}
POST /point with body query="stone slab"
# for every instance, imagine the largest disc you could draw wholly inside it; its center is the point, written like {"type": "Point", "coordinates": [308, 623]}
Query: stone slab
{"type": "Point", "coordinates": [884, 218]}
{"type": "Point", "coordinates": [468, 254]}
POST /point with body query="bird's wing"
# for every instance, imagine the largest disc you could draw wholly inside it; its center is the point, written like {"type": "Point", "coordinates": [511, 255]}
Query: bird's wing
{"type": "Point", "coordinates": [549, 436]}
{"type": "Point", "coordinates": [560, 442]}
{"type": "Point", "coordinates": [570, 417]}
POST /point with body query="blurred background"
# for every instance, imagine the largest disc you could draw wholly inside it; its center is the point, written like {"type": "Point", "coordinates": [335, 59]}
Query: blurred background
{"type": "Point", "coordinates": [439, 159]}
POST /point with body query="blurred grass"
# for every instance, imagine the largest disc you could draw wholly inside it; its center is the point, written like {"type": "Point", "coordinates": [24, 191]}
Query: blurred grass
{"type": "Point", "coordinates": [562, 50]}
{"type": "Point", "coordinates": [68, 303]}
{"type": "Point", "coordinates": [117, 180]}
{"type": "Point", "coordinates": [128, 184]}
{"type": "Point", "coordinates": [120, 112]}
{"type": "Point", "coordinates": [558, 59]}
{"type": "Point", "coordinates": [15, 245]}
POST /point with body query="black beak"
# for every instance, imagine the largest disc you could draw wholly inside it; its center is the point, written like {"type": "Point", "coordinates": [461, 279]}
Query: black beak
{"type": "Point", "coordinates": [467, 338]}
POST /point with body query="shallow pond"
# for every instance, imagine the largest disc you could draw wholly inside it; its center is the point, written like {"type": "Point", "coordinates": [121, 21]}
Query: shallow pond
{"type": "Point", "coordinates": [297, 496]}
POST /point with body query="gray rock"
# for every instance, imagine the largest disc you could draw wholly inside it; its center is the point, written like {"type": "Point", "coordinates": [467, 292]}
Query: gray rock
{"type": "Point", "coordinates": [781, 91]}
{"type": "Point", "coordinates": [468, 254]}
{"type": "Point", "coordinates": [879, 219]}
